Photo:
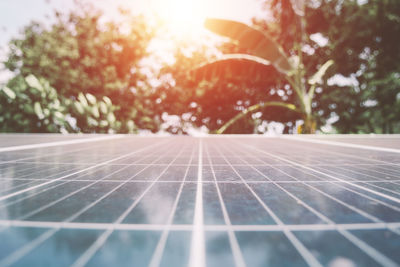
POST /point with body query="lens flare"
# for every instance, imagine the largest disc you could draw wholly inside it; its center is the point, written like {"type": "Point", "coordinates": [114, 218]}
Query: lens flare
{"type": "Point", "coordinates": [182, 16]}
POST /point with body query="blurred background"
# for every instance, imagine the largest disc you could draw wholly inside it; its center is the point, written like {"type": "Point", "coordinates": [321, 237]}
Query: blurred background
{"type": "Point", "coordinates": [137, 66]}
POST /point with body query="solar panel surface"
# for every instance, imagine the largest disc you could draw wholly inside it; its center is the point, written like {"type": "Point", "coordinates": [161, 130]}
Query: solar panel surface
{"type": "Point", "coordinates": [210, 201]}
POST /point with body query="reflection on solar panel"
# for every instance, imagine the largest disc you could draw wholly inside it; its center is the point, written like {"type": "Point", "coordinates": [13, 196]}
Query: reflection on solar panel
{"type": "Point", "coordinates": [210, 201]}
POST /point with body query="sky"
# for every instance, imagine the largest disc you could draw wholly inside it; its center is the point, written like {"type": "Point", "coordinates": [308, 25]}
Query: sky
{"type": "Point", "coordinates": [15, 14]}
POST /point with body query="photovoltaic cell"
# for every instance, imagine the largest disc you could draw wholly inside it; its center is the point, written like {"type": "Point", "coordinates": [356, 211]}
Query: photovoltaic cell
{"type": "Point", "coordinates": [94, 200]}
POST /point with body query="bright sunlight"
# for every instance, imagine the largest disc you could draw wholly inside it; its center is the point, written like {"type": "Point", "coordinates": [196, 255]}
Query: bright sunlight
{"type": "Point", "coordinates": [182, 16]}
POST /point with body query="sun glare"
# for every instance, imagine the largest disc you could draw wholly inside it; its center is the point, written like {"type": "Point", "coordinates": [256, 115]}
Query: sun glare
{"type": "Point", "coordinates": [182, 16]}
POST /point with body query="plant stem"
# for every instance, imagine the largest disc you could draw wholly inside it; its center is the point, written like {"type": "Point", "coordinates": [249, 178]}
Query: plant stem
{"type": "Point", "coordinates": [254, 108]}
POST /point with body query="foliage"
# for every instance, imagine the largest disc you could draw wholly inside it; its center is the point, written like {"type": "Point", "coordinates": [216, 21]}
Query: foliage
{"type": "Point", "coordinates": [82, 54]}
{"type": "Point", "coordinates": [32, 105]}
{"type": "Point", "coordinates": [378, 89]}
{"type": "Point", "coordinates": [362, 39]}
{"type": "Point", "coordinates": [214, 96]}
{"type": "Point", "coordinates": [81, 58]}
{"type": "Point", "coordinates": [212, 102]}
{"type": "Point", "coordinates": [264, 51]}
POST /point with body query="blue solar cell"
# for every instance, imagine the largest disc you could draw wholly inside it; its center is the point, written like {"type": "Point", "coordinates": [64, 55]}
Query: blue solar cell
{"type": "Point", "coordinates": [268, 249]}
{"type": "Point", "coordinates": [61, 249]}
{"type": "Point", "coordinates": [176, 251]}
{"type": "Point", "coordinates": [126, 248]}
{"type": "Point", "coordinates": [324, 246]}
{"type": "Point", "coordinates": [218, 249]}
{"type": "Point", "coordinates": [184, 213]}
{"type": "Point", "coordinates": [386, 241]}
{"type": "Point", "coordinates": [180, 201]}
{"type": "Point", "coordinates": [287, 208]}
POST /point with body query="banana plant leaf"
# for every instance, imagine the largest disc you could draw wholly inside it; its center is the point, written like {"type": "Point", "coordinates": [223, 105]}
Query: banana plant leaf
{"type": "Point", "coordinates": [237, 66]}
{"type": "Point", "coordinates": [254, 41]}
{"type": "Point", "coordinates": [317, 77]}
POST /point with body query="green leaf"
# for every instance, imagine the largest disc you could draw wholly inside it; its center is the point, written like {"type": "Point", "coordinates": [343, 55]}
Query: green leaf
{"type": "Point", "coordinates": [103, 123]}
{"type": "Point", "coordinates": [91, 98]}
{"type": "Point", "coordinates": [238, 66]}
{"type": "Point", "coordinates": [256, 42]}
{"type": "Point", "coordinates": [79, 107]}
{"type": "Point", "coordinates": [317, 77]}
{"type": "Point", "coordinates": [58, 115]}
{"type": "Point", "coordinates": [9, 93]}
{"type": "Point", "coordinates": [38, 110]}
{"type": "Point", "coordinates": [28, 109]}
{"type": "Point", "coordinates": [103, 107]}
{"type": "Point", "coordinates": [95, 111]}
{"type": "Point", "coordinates": [33, 82]}
{"type": "Point", "coordinates": [92, 122]}
{"type": "Point", "coordinates": [83, 100]}
{"type": "Point", "coordinates": [46, 112]}
{"type": "Point", "coordinates": [52, 93]}
{"type": "Point", "coordinates": [111, 118]}
{"type": "Point", "coordinates": [131, 126]}
{"type": "Point", "coordinates": [56, 104]}
{"type": "Point", "coordinates": [107, 100]}
{"type": "Point", "coordinates": [295, 62]}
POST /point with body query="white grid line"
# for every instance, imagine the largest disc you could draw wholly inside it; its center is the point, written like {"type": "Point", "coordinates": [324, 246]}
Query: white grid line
{"type": "Point", "coordinates": [49, 154]}
{"type": "Point", "coordinates": [298, 200]}
{"type": "Point", "coordinates": [207, 227]}
{"type": "Point", "coordinates": [158, 252]}
{"type": "Point", "coordinates": [341, 144]}
{"type": "Point", "coordinates": [382, 259]}
{"type": "Point", "coordinates": [64, 152]}
{"type": "Point", "coordinates": [184, 165]}
{"type": "Point", "coordinates": [236, 252]}
{"type": "Point", "coordinates": [197, 247]}
{"type": "Point", "coordinates": [204, 181]}
{"type": "Point", "coordinates": [330, 226]}
{"type": "Point", "coordinates": [325, 174]}
{"type": "Point", "coordinates": [65, 181]}
{"type": "Point", "coordinates": [382, 179]}
{"type": "Point", "coordinates": [342, 155]}
{"type": "Point", "coordinates": [89, 253]}
{"type": "Point", "coordinates": [32, 180]}
{"type": "Point", "coordinates": [16, 255]}
{"type": "Point", "coordinates": [371, 217]}
{"type": "Point", "coordinates": [77, 172]}
{"type": "Point", "coordinates": [6, 204]}
{"type": "Point", "coordinates": [34, 243]}
{"type": "Point", "coordinates": [60, 143]}
{"type": "Point", "coordinates": [366, 183]}
{"type": "Point", "coordinates": [303, 251]}
{"type": "Point", "coordinates": [361, 212]}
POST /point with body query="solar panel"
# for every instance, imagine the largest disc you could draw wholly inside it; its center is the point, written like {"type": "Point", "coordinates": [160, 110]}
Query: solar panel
{"type": "Point", "coordinates": [199, 201]}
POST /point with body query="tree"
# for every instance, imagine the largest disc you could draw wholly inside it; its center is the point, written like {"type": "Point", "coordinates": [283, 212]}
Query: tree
{"type": "Point", "coordinates": [81, 54]}
{"type": "Point", "coordinates": [208, 103]}
{"type": "Point", "coordinates": [361, 37]}
{"type": "Point", "coordinates": [28, 104]}
{"type": "Point", "coordinates": [263, 53]}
